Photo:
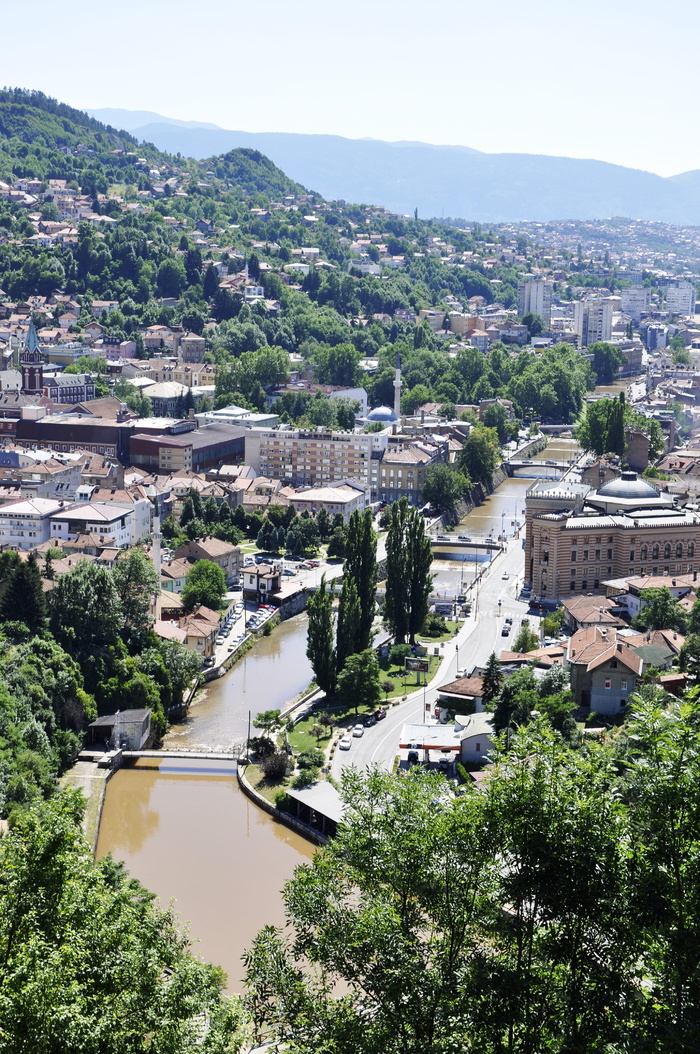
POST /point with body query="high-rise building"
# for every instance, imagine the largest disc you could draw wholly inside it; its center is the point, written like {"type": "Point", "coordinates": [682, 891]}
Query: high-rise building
{"type": "Point", "coordinates": [535, 297]}
{"type": "Point", "coordinates": [593, 320]}
{"type": "Point", "coordinates": [680, 299]}
{"type": "Point", "coordinates": [316, 457]}
{"type": "Point", "coordinates": [635, 302]}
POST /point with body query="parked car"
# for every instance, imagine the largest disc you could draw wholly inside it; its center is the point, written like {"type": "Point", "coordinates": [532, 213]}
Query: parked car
{"type": "Point", "coordinates": [368, 720]}
{"type": "Point", "coordinates": [345, 743]}
{"type": "Point", "coordinates": [358, 731]}
{"type": "Point", "coordinates": [412, 757]}
{"type": "Point", "coordinates": [380, 713]}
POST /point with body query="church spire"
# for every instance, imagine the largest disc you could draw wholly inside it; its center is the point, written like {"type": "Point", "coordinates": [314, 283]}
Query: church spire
{"type": "Point", "coordinates": [31, 363]}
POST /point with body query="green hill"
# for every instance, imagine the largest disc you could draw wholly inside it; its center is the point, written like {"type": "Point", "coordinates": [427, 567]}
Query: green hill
{"type": "Point", "coordinates": [44, 139]}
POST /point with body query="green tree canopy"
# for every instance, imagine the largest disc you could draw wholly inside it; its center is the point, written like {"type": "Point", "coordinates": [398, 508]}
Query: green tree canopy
{"type": "Point", "coordinates": [205, 584]}
{"type": "Point", "coordinates": [90, 962]}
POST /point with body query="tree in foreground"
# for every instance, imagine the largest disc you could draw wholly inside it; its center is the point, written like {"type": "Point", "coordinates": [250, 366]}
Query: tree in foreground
{"type": "Point", "coordinates": [205, 584]}
{"type": "Point", "coordinates": [358, 681]}
{"type": "Point", "coordinates": [90, 962]}
{"type": "Point", "coordinates": [319, 640]}
{"type": "Point", "coordinates": [556, 909]}
{"type": "Point", "coordinates": [408, 578]}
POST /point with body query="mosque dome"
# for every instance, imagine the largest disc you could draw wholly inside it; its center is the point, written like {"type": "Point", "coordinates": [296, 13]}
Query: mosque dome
{"type": "Point", "coordinates": [382, 413]}
{"type": "Point", "coordinates": [628, 486]}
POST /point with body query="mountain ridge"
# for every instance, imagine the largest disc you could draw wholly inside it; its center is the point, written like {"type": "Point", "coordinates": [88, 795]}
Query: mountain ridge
{"type": "Point", "coordinates": [456, 181]}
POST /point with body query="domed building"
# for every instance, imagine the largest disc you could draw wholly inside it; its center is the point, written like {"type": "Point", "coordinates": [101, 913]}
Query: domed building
{"type": "Point", "coordinates": [578, 538]}
{"type": "Point", "coordinates": [384, 414]}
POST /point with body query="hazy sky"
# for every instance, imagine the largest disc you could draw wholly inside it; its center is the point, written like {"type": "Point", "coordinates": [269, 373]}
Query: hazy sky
{"type": "Point", "coordinates": [609, 79]}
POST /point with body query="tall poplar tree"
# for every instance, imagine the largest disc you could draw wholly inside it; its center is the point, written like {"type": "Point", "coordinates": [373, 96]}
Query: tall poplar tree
{"type": "Point", "coordinates": [408, 560]}
{"type": "Point", "coordinates": [349, 627]}
{"type": "Point", "coordinates": [361, 566]}
{"type": "Point", "coordinates": [319, 640]}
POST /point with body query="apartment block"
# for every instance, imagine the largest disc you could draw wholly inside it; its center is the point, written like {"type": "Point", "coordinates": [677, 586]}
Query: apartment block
{"type": "Point", "coordinates": [593, 320]}
{"type": "Point", "coordinates": [315, 457]}
{"type": "Point", "coordinates": [535, 296]}
{"type": "Point", "coordinates": [680, 299]}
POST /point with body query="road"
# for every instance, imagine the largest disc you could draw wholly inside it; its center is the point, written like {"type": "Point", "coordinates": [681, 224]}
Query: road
{"type": "Point", "coordinates": [493, 600]}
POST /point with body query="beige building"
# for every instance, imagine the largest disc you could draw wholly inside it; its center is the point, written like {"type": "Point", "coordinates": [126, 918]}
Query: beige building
{"type": "Point", "coordinates": [624, 529]}
{"type": "Point", "coordinates": [226, 556]}
{"type": "Point", "coordinates": [315, 457]}
{"type": "Point", "coordinates": [345, 499]}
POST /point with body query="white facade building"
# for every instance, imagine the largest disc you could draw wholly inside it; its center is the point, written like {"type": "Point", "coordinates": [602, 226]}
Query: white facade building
{"type": "Point", "coordinates": [27, 523]}
{"type": "Point", "coordinates": [680, 299]}
{"type": "Point", "coordinates": [315, 457]}
{"type": "Point", "coordinates": [635, 302]}
{"type": "Point", "coordinates": [109, 523]}
{"type": "Point", "coordinates": [535, 296]}
{"type": "Point", "coordinates": [593, 320]}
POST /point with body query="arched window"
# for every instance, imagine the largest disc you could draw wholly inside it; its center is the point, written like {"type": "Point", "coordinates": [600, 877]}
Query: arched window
{"type": "Point", "coordinates": [691, 550]}
{"type": "Point", "coordinates": [655, 552]}
{"type": "Point", "coordinates": [667, 551]}
{"type": "Point", "coordinates": [679, 550]}
{"type": "Point", "coordinates": [643, 553]}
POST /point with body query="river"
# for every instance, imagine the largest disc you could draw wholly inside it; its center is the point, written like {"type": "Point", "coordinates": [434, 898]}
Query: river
{"type": "Point", "coordinates": [502, 512]}
{"type": "Point", "coordinates": [189, 834]}
{"type": "Point", "coordinates": [273, 673]}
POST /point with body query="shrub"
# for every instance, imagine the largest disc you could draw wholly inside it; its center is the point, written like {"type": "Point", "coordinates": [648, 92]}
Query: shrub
{"type": "Point", "coordinates": [274, 767]}
{"type": "Point", "coordinates": [462, 772]}
{"type": "Point", "coordinates": [262, 746]}
{"type": "Point", "coordinates": [398, 653]}
{"type": "Point", "coordinates": [305, 778]}
{"type": "Point", "coordinates": [310, 759]}
{"type": "Point", "coordinates": [281, 800]}
{"type": "Point", "coordinates": [434, 626]}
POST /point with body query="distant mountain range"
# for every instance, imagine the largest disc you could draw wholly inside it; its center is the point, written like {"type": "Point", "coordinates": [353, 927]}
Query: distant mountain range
{"type": "Point", "coordinates": [439, 181]}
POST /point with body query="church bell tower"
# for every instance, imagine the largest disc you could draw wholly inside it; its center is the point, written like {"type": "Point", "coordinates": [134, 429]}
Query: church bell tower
{"type": "Point", "coordinates": [31, 363]}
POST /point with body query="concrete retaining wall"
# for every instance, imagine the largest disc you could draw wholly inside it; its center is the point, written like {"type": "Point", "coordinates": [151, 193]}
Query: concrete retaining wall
{"type": "Point", "coordinates": [277, 814]}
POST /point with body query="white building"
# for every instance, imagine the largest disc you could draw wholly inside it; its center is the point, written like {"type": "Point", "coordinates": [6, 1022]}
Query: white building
{"type": "Point", "coordinates": [635, 302]}
{"type": "Point", "coordinates": [315, 457]}
{"type": "Point", "coordinates": [593, 320]}
{"type": "Point", "coordinates": [680, 299]}
{"type": "Point", "coordinates": [27, 523]}
{"type": "Point", "coordinates": [535, 296]}
{"type": "Point", "coordinates": [109, 523]}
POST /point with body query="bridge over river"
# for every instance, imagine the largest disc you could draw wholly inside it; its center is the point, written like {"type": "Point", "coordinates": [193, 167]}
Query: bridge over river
{"type": "Point", "coordinates": [536, 467]}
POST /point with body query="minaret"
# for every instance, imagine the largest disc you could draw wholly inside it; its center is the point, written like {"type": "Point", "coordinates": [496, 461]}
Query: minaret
{"type": "Point", "coordinates": [155, 548]}
{"type": "Point", "coordinates": [397, 388]}
{"type": "Point", "coordinates": [31, 363]}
